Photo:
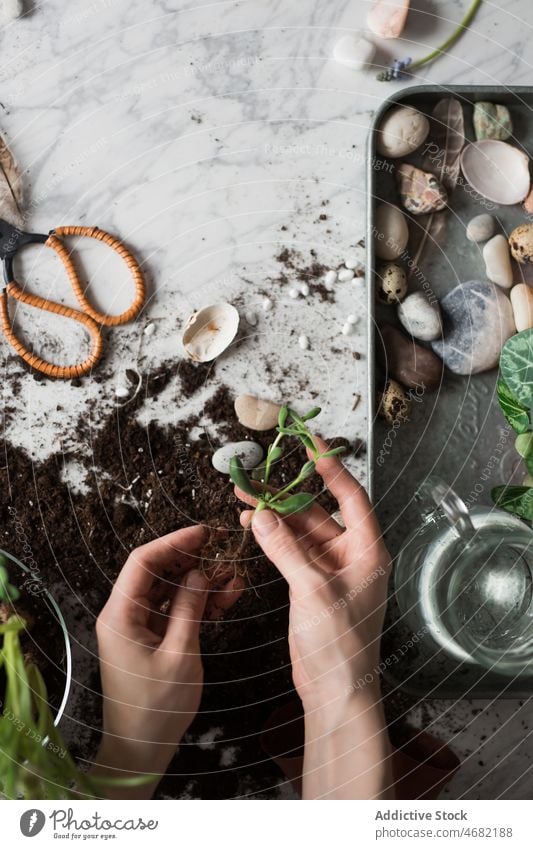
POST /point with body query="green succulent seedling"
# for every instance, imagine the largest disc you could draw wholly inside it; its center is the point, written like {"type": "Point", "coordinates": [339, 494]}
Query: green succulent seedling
{"type": "Point", "coordinates": [285, 501]}
{"type": "Point", "coordinates": [34, 759]}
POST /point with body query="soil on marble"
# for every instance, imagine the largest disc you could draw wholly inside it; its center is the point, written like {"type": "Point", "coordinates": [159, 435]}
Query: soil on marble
{"type": "Point", "coordinates": [145, 481]}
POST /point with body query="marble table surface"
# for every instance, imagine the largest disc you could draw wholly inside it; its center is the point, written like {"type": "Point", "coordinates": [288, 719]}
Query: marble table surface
{"type": "Point", "coordinates": [212, 136]}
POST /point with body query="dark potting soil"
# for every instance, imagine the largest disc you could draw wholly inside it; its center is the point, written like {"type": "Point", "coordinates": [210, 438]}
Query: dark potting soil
{"type": "Point", "coordinates": [145, 481]}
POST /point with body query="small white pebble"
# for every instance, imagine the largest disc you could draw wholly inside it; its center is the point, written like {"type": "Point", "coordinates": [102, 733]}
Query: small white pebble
{"type": "Point", "coordinates": [149, 329]}
{"type": "Point", "coordinates": [304, 289]}
{"type": "Point", "coordinates": [10, 9]}
{"type": "Point", "coordinates": [140, 450]}
{"type": "Point", "coordinates": [330, 278]}
{"type": "Point", "coordinates": [351, 319]}
{"type": "Point", "coordinates": [347, 329]}
{"type": "Point", "coordinates": [251, 318]}
{"type": "Point", "coordinates": [352, 262]}
{"type": "Point", "coordinates": [303, 342]}
{"type": "Point", "coordinates": [266, 304]}
{"type": "Point", "coordinates": [345, 274]}
{"type": "Point", "coordinates": [293, 293]}
{"type": "Point", "coordinates": [121, 391]}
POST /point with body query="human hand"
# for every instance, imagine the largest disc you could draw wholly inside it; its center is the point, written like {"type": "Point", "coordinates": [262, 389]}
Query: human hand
{"type": "Point", "coordinates": [150, 661]}
{"type": "Point", "coordinates": [337, 587]}
{"type": "Point", "coordinates": [337, 581]}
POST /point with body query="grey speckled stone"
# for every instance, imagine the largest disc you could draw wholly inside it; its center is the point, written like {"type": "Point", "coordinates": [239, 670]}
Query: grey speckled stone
{"type": "Point", "coordinates": [478, 321]}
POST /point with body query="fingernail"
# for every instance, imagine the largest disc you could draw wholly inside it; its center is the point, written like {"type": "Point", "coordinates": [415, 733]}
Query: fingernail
{"type": "Point", "coordinates": [265, 522]}
{"type": "Point", "coordinates": [194, 580]}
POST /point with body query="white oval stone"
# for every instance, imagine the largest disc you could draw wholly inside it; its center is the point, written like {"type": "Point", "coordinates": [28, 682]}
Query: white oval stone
{"type": "Point", "coordinates": [266, 304]}
{"type": "Point", "coordinates": [304, 289]}
{"type": "Point", "coordinates": [390, 232]}
{"type": "Point", "coordinates": [303, 342]}
{"type": "Point", "coordinates": [354, 51]}
{"type": "Point", "coordinates": [481, 228]}
{"type": "Point", "coordinates": [250, 454]}
{"type": "Point", "coordinates": [255, 413]}
{"type": "Point", "coordinates": [330, 278]}
{"type": "Point", "coordinates": [522, 303]}
{"type": "Point", "coordinates": [498, 261]}
{"type": "Point", "coordinates": [345, 274]}
{"type": "Point", "coordinates": [401, 132]}
{"type": "Point", "coordinates": [420, 318]}
{"type": "Point", "coordinates": [293, 293]}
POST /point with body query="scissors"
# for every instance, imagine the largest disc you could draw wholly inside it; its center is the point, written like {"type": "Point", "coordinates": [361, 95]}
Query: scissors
{"type": "Point", "coordinates": [11, 240]}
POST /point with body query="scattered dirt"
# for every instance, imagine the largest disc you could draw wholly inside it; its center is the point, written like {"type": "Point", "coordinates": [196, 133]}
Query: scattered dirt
{"type": "Point", "coordinates": [145, 481]}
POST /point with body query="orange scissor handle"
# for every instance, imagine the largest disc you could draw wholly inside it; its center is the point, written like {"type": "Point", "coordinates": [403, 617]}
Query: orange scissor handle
{"type": "Point", "coordinates": [36, 362]}
{"type": "Point", "coordinates": [54, 241]}
{"type": "Point", "coordinates": [89, 317]}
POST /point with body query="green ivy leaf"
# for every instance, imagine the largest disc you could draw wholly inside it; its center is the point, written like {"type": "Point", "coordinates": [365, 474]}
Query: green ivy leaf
{"type": "Point", "coordinates": [239, 476]}
{"type": "Point", "coordinates": [516, 366]}
{"type": "Point", "coordinates": [516, 414]}
{"type": "Point", "coordinates": [293, 504]}
{"type": "Point", "coordinates": [515, 499]}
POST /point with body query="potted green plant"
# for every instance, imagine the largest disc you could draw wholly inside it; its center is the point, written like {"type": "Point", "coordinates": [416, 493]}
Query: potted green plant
{"type": "Point", "coordinates": [34, 759]}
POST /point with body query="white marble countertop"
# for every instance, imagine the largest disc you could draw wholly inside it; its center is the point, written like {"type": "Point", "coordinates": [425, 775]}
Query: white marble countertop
{"type": "Point", "coordinates": [210, 136]}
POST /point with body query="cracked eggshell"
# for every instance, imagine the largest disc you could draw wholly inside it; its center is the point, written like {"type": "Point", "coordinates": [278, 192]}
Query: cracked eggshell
{"type": "Point", "coordinates": [209, 332]}
{"type": "Point", "coordinates": [496, 170]}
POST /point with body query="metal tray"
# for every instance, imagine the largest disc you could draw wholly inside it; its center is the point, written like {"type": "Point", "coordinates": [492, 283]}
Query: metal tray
{"type": "Point", "coordinates": [457, 433]}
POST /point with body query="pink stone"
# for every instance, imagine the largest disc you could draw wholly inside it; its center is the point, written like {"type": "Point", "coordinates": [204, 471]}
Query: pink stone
{"type": "Point", "coordinates": [387, 18]}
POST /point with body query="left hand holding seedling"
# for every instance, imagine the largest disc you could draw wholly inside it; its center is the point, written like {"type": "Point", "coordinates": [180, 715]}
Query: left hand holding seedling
{"type": "Point", "coordinates": [151, 667]}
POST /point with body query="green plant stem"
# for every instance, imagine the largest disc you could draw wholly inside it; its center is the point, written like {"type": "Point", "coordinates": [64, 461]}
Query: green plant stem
{"type": "Point", "coordinates": [456, 34]}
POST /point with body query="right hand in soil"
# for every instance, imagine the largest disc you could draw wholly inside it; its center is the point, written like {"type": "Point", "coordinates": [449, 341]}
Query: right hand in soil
{"type": "Point", "coordinates": [337, 586]}
{"type": "Point", "coordinates": [150, 661]}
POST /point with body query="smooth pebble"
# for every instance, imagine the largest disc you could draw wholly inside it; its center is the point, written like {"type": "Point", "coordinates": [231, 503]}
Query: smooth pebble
{"type": "Point", "coordinates": [122, 392]}
{"type": "Point", "coordinates": [420, 191]}
{"type": "Point", "coordinates": [354, 51]}
{"type": "Point", "coordinates": [149, 330]}
{"type": "Point", "coordinates": [251, 318]}
{"type": "Point", "coordinates": [293, 293]}
{"type": "Point", "coordinates": [266, 304]}
{"type": "Point", "coordinates": [250, 454]}
{"type": "Point", "coordinates": [386, 18]}
{"type": "Point", "coordinates": [498, 261]}
{"type": "Point", "coordinates": [255, 413]}
{"type": "Point", "coordinates": [390, 232]}
{"type": "Point", "coordinates": [478, 321]}
{"type": "Point", "coordinates": [330, 278]}
{"type": "Point", "coordinates": [401, 132]}
{"type": "Point", "coordinates": [345, 274]}
{"type": "Point", "coordinates": [304, 289]}
{"type": "Point", "coordinates": [492, 121]}
{"type": "Point", "coordinates": [347, 328]}
{"type": "Point", "coordinates": [11, 9]}
{"type": "Point", "coordinates": [351, 319]}
{"type": "Point", "coordinates": [420, 318]}
{"type": "Point", "coordinates": [522, 303]}
{"type": "Point", "coordinates": [410, 364]}
{"type": "Point", "coordinates": [303, 342]}
{"type": "Point", "coordinates": [481, 228]}
{"type": "Point", "coordinates": [352, 262]}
